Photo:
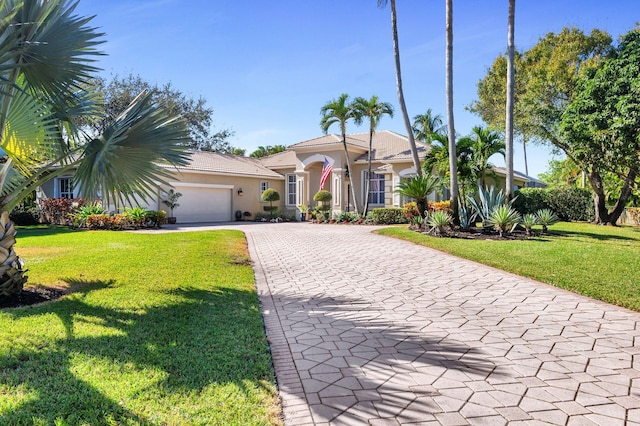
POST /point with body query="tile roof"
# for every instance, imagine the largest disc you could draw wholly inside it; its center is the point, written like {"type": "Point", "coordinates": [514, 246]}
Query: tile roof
{"type": "Point", "coordinates": [503, 171]}
{"type": "Point", "coordinates": [332, 139]}
{"type": "Point", "coordinates": [285, 159]}
{"type": "Point", "coordinates": [389, 146]}
{"type": "Point", "coordinates": [213, 162]}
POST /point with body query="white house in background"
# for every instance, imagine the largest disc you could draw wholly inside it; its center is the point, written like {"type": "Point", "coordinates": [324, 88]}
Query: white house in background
{"type": "Point", "coordinates": [216, 187]}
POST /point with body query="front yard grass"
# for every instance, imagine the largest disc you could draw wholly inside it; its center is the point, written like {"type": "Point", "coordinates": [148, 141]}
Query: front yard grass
{"type": "Point", "coordinates": [160, 329]}
{"type": "Point", "coordinates": [599, 262]}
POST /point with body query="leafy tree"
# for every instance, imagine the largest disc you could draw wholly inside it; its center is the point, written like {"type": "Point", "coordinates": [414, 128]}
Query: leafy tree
{"type": "Point", "coordinates": [47, 55]}
{"type": "Point", "coordinates": [403, 105]}
{"type": "Point", "coordinates": [600, 125]}
{"type": "Point", "coordinates": [339, 111]}
{"type": "Point", "coordinates": [547, 75]}
{"type": "Point", "coordinates": [427, 124]}
{"type": "Point", "coordinates": [374, 110]}
{"type": "Point", "coordinates": [118, 93]}
{"type": "Point", "coordinates": [562, 174]}
{"type": "Point", "coordinates": [263, 151]}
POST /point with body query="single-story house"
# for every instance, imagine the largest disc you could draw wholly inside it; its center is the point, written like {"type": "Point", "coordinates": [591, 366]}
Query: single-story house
{"type": "Point", "coordinates": [215, 187]}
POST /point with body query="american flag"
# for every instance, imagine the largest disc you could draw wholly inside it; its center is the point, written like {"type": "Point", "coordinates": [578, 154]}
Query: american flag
{"type": "Point", "coordinates": [327, 168]}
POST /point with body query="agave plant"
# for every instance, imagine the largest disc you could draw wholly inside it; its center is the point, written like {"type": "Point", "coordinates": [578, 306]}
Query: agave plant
{"type": "Point", "coordinates": [528, 222]}
{"type": "Point", "coordinates": [489, 199]}
{"type": "Point", "coordinates": [504, 219]}
{"type": "Point", "coordinates": [417, 222]}
{"type": "Point", "coordinates": [546, 218]}
{"type": "Point", "coordinates": [466, 213]}
{"type": "Point", "coordinates": [47, 55]}
{"type": "Point", "coordinates": [438, 221]}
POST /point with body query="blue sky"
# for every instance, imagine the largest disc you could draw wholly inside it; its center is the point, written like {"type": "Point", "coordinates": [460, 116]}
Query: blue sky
{"type": "Point", "coordinates": [266, 68]}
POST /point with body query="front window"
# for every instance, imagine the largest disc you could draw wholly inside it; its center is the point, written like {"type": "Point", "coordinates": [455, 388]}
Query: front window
{"type": "Point", "coordinates": [64, 187]}
{"type": "Point", "coordinates": [376, 190]}
{"type": "Point", "coordinates": [264, 185]}
{"type": "Point", "coordinates": [291, 190]}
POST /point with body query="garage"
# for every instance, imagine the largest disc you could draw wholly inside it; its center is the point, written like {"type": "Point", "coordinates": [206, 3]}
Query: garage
{"type": "Point", "coordinates": [203, 203]}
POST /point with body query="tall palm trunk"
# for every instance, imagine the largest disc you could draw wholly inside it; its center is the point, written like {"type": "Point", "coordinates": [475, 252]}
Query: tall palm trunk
{"type": "Point", "coordinates": [510, 98]}
{"type": "Point", "coordinates": [403, 105]}
{"type": "Point", "coordinates": [453, 166]}
{"type": "Point", "coordinates": [346, 155]}
{"type": "Point", "coordinates": [12, 276]}
{"type": "Point", "coordinates": [366, 199]}
{"type": "Point", "coordinates": [524, 151]}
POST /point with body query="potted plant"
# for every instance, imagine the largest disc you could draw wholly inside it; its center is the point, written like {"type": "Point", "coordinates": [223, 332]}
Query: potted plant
{"type": "Point", "coordinates": [172, 202]}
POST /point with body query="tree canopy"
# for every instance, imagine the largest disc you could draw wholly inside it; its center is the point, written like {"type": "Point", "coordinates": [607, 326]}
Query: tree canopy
{"type": "Point", "coordinates": [118, 92]}
{"type": "Point", "coordinates": [601, 124]}
{"type": "Point", "coordinates": [263, 151]}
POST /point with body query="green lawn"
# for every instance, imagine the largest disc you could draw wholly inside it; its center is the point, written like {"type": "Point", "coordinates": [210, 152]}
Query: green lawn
{"type": "Point", "coordinates": [600, 262]}
{"type": "Point", "coordinates": [160, 329]}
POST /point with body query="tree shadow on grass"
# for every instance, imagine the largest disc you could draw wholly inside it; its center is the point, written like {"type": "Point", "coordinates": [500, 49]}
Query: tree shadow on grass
{"type": "Point", "coordinates": [197, 339]}
{"type": "Point", "coordinates": [595, 236]}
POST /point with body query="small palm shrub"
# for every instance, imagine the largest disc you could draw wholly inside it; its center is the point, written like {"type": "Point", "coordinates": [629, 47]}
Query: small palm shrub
{"type": "Point", "coordinates": [528, 222]}
{"type": "Point", "coordinates": [438, 221]}
{"type": "Point", "coordinates": [503, 219]}
{"type": "Point", "coordinates": [546, 218]}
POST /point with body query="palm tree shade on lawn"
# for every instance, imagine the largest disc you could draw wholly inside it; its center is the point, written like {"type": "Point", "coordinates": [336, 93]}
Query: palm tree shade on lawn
{"type": "Point", "coordinates": [47, 55]}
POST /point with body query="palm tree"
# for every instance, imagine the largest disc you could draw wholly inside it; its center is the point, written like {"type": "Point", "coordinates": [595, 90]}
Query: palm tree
{"type": "Point", "coordinates": [426, 125]}
{"type": "Point", "coordinates": [418, 188]}
{"type": "Point", "coordinates": [453, 175]}
{"type": "Point", "coordinates": [510, 100]}
{"type": "Point", "coordinates": [485, 143]}
{"type": "Point", "coordinates": [438, 158]}
{"type": "Point", "coordinates": [339, 111]}
{"type": "Point", "coordinates": [47, 54]}
{"type": "Point", "coordinates": [374, 110]}
{"type": "Point", "coordinates": [403, 105]}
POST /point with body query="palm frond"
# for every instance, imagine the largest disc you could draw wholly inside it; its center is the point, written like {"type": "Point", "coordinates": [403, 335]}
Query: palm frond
{"type": "Point", "coordinates": [132, 155]}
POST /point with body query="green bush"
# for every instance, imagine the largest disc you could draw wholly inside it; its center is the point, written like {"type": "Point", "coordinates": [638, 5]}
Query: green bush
{"type": "Point", "coordinates": [388, 216]}
{"type": "Point", "coordinates": [530, 200]}
{"type": "Point", "coordinates": [572, 204]}
{"type": "Point", "coordinates": [25, 216]}
{"type": "Point", "coordinates": [567, 203]}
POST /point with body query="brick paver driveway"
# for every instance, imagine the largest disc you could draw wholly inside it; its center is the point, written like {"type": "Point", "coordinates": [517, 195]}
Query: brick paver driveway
{"type": "Point", "coordinates": [366, 329]}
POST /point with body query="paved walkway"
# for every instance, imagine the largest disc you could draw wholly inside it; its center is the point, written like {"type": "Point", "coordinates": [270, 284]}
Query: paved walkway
{"type": "Point", "coordinates": [366, 329]}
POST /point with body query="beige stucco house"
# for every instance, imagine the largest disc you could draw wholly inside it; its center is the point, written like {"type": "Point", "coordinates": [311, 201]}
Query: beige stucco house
{"type": "Point", "coordinates": [216, 187]}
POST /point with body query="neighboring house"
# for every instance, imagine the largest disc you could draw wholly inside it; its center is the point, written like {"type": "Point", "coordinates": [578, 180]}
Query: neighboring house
{"type": "Point", "coordinates": [215, 187]}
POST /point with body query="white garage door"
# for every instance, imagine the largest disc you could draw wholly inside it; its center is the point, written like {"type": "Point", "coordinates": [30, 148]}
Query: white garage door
{"type": "Point", "coordinates": [203, 204]}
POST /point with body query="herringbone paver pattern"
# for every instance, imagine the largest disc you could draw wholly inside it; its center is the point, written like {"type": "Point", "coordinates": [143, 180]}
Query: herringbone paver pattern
{"type": "Point", "coordinates": [366, 329]}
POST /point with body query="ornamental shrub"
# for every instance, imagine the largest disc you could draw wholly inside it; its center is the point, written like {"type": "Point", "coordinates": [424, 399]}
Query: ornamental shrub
{"type": "Point", "coordinates": [56, 211]}
{"type": "Point", "coordinates": [530, 200]}
{"type": "Point", "coordinates": [572, 203]}
{"type": "Point", "coordinates": [388, 216]}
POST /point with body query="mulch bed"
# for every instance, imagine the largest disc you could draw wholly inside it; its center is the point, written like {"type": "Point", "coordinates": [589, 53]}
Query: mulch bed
{"type": "Point", "coordinates": [31, 296]}
{"type": "Point", "coordinates": [478, 234]}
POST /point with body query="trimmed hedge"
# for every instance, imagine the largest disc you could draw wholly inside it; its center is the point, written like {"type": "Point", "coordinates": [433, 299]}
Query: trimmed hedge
{"type": "Point", "coordinates": [568, 203]}
{"type": "Point", "coordinates": [388, 216]}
